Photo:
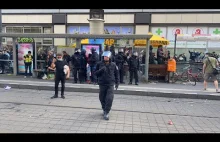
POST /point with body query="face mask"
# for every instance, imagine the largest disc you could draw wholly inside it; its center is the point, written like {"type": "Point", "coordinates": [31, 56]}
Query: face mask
{"type": "Point", "coordinates": [60, 59]}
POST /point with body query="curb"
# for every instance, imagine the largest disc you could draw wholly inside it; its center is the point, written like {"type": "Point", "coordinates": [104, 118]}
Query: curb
{"type": "Point", "coordinates": [123, 92]}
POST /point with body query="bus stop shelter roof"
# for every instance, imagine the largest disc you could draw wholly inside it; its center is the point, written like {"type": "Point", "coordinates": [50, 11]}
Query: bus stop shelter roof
{"type": "Point", "coordinates": [78, 36]}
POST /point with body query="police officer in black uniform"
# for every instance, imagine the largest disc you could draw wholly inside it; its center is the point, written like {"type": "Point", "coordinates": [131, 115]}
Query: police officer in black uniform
{"type": "Point", "coordinates": [76, 63]}
{"type": "Point", "coordinates": [108, 76]}
{"type": "Point", "coordinates": [133, 63]}
{"type": "Point", "coordinates": [83, 63]}
{"type": "Point", "coordinates": [93, 60]}
{"type": "Point", "coordinates": [120, 59]}
{"type": "Point", "coordinates": [59, 75]}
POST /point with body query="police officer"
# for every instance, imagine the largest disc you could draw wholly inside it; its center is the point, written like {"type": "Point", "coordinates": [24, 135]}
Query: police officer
{"type": "Point", "coordinates": [120, 60]}
{"type": "Point", "coordinates": [83, 63]}
{"type": "Point", "coordinates": [108, 76]}
{"type": "Point", "coordinates": [133, 63]}
{"type": "Point", "coordinates": [28, 59]}
{"type": "Point", "coordinates": [76, 63]}
{"type": "Point", "coordinates": [93, 60]}
{"type": "Point", "coordinates": [59, 75]}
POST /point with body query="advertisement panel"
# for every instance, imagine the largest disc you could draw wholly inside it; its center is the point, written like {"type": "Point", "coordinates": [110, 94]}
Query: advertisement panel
{"type": "Point", "coordinates": [171, 31]}
{"type": "Point", "coordinates": [23, 49]}
{"type": "Point", "coordinates": [198, 31]}
{"type": "Point", "coordinates": [88, 48]}
{"type": "Point", "coordinates": [214, 31]}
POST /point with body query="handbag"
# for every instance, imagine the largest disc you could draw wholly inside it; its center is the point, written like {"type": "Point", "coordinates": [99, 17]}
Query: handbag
{"type": "Point", "coordinates": [215, 70]}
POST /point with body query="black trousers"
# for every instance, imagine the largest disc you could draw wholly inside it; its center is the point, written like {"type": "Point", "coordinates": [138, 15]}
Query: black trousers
{"type": "Point", "coordinates": [75, 74]}
{"type": "Point", "coordinates": [28, 67]}
{"type": "Point", "coordinates": [2, 64]}
{"type": "Point", "coordinates": [121, 74]}
{"type": "Point", "coordinates": [133, 74]}
{"type": "Point", "coordinates": [82, 75]}
{"type": "Point", "coordinates": [106, 96]}
{"type": "Point", "coordinates": [58, 79]}
{"type": "Point", "coordinates": [93, 76]}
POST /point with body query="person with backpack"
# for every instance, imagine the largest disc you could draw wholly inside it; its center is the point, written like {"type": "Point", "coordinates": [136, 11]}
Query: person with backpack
{"type": "Point", "coordinates": [209, 70]}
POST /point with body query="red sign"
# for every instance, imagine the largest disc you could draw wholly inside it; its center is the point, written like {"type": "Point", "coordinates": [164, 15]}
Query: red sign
{"type": "Point", "coordinates": [197, 31]}
{"type": "Point", "coordinates": [177, 31]}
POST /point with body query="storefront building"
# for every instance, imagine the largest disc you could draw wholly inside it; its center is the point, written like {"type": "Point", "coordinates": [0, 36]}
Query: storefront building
{"type": "Point", "coordinates": [127, 21]}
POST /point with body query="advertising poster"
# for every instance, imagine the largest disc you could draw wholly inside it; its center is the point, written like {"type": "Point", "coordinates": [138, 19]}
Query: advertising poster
{"type": "Point", "coordinates": [73, 30]}
{"type": "Point", "coordinates": [197, 30]}
{"type": "Point", "coordinates": [171, 36]}
{"type": "Point", "coordinates": [114, 30]}
{"type": "Point", "coordinates": [23, 49]}
{"type": "Point", "coordinates": [127, 30]}
{"type": "Point", "coordinates": [88, 48]}
{"type": "Point", "coordinates": [214, 31]}
{"type": "Point", "coordinates": [160, 31]}
{"type": "Point", "coordinates": [84, 30]}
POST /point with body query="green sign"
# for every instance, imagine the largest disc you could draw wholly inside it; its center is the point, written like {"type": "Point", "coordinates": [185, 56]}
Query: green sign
{"type": "Point", "coordinates": [25, 40]}
{"type": "Point", "coordinates": [159, 31]}
{"type": "Point", "coordinates": [216, 31]}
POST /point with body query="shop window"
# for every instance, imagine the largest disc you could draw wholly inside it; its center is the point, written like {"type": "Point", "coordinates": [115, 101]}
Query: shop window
{"type": "Point", "coordinates": [14, 29]}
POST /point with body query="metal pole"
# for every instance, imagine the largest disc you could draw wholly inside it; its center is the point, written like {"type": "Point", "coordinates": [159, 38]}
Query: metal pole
{"type": "Point", "coordinates": [0, 27]}
{"type": "Point", "coordinates": [175, 45]}
{"type": "Point", "coordinates": [14, 57]}
{"type": "Point", "coordinates": [147, 60]}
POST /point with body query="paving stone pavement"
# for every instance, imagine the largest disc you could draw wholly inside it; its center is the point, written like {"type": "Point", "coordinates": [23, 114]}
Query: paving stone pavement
{"type": "Point", "coordinates": [32, 111]}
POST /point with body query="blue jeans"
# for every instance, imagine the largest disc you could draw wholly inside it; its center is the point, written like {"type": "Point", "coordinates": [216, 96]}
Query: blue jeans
{"type": "Point", "coordinates": [28, 66]}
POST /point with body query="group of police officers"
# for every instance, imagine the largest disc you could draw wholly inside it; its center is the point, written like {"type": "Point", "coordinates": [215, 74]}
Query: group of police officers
{"type": "Point", "coordinates": [79, 62]}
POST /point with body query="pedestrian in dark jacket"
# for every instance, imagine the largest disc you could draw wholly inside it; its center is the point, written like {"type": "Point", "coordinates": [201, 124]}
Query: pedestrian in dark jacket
{"type": "Point", "coordinates": [108, 76]}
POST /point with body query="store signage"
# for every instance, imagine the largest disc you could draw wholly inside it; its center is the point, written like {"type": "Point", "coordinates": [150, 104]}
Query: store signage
{"type": "Point", "coordinates": [140, 42]}
{"type": "Point", "coordinates": [25, 40]}
{"type": "Point", "coordinates": [109, 42]}
{"type": "Point", "coordinates": [198, 37]}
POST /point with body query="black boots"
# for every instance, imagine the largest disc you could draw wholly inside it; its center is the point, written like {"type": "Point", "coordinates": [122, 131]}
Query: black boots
{"type": "Point", "coordinates": [55, 96]}
{"type": "Point", "coordinates": [106, 116]}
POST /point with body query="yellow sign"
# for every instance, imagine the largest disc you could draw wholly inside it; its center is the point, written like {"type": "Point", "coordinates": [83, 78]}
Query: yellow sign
{"type": "Point", "coordinates": [109, 42]}
{"type": "Point", "coordinates": [140, 42]}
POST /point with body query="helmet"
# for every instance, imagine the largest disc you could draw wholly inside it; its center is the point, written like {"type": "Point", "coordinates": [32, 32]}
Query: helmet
{"type": "Point", "coordinates": [77, 50]}
{"type": "Point", "coordinates": [121, 50]}
{"type": "Point", "coordinates": [93, 49]}
{"type": "Point", "coordinates": [106, 54]}
{"type": "Point", "coordinates": [135, 54]}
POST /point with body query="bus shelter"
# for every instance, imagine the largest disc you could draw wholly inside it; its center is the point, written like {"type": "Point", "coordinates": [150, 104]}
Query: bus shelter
{"type": "Point", "coordinates": [78, 37]}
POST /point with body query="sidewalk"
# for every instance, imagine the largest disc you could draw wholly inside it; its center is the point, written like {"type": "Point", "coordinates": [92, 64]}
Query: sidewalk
{"type": "Point", "coordinates": [150, 89]}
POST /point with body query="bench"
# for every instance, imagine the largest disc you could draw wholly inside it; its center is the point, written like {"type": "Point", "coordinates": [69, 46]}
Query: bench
{"type": "Point", "coordinates": [37, 71]}
{"type": "Point", "coordinates": [158, 70]}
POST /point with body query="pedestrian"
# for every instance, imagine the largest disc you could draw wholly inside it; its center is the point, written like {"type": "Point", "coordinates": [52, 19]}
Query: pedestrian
{"type": "Point", "coordinates": [134, 65]}
{"type": "Point", "coordinates": [209, 65]}
{"type": "Point", "coordinates": [93, 60]}
{"type": "Point", "coordinates": [76, 64]}
{"type": "Point", "coordinates": [66, 57]}
{"type": "Point", "coordinates": [120, 59]}
{"type": "Point", "coordinates": [60, 75]}
{"type": "Point", "coordinates": [108, 76]}
{"type": "Point", "coordinates": [82, 70]}
{"type": "Point", "coordinates": [28, 59]}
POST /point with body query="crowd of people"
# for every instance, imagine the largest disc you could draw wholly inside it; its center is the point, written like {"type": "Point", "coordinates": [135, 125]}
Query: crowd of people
{"type": "Point", "coordinates": [83, 65]}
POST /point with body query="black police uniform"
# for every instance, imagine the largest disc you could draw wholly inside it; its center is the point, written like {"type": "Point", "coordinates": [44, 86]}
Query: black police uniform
{"type": "Point", "coordinates": [67, 58]}
{"type": "Point", "coordinates": [120, 59]}
{"type": "Point", "coordinates": [83, 63]}
{"type": "Point", "coordinates": [93, 60]}
{"type": "Point", "coordinates": [133, 63]}
{"type": "Point", "coordinates": [76, 65]}
{"type": "Point", "coordinates": [60, 77]}
{"type": "Point", "coordinates": [108, 76]}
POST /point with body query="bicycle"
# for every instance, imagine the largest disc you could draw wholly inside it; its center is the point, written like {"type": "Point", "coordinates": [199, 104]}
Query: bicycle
{"type": "Point", "coordinates": [185, 76]}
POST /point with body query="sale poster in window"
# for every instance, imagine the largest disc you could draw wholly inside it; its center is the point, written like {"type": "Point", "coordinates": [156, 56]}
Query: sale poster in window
{"type": "Point", "coordinates": [23, 49]}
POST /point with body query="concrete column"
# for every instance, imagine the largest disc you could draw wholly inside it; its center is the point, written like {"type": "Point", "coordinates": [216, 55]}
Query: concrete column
{"type": "Point", "coordinates": [144, 29]}
{"type": "Point", "coordinates": [14, 57]}
{"type": "Point", "coordinates": [59, 29]}
{"type": "Point", "coordinates": [96, 26]}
